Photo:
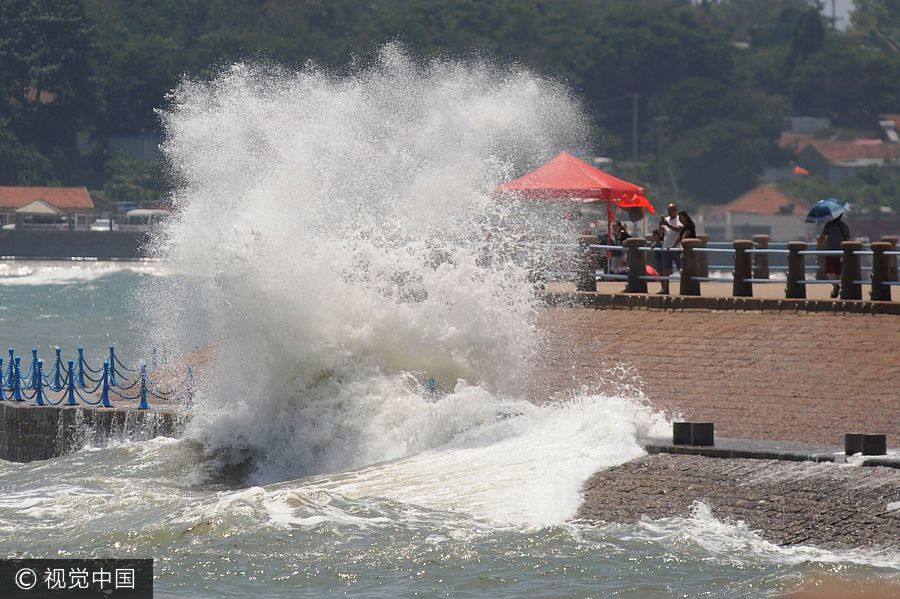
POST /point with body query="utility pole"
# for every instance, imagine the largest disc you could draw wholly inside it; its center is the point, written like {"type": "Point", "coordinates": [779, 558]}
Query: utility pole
{"type": "Point", "coordinates": [833, 16]}
{"type": "Point", "coordinates": [661, 127]}
{"type": "Point", "coordinates": [634, 131]}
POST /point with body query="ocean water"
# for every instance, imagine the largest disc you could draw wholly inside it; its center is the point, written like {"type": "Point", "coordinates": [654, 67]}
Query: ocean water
{"type": "Point", "coordinates": [337, 245]}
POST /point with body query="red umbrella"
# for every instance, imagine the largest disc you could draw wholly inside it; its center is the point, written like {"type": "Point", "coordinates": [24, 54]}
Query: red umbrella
{"type": "Point", "coordinates": [637, 201]}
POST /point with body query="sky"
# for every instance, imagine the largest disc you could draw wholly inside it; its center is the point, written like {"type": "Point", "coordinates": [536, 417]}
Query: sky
{"type": "Point", "coordinates": [842, 9]}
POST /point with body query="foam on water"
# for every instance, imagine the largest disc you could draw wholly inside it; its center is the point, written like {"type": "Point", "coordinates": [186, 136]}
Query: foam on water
{"type": "Point", "coordinates": [68, 273]}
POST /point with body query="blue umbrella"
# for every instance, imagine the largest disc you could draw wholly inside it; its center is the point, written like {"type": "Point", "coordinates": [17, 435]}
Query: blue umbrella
{"type": "Point", "coordinates": [826, 210]}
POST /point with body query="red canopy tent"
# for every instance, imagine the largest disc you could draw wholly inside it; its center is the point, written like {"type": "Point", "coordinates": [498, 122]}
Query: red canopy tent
{"type": "Point", "coordinates": [567, 177]}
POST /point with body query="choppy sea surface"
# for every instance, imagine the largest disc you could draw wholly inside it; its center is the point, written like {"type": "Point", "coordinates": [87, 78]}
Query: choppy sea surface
{"type": "Point", "coordinates": [366, 303]}
{"type": "Point", "coordinates": [488, 512]}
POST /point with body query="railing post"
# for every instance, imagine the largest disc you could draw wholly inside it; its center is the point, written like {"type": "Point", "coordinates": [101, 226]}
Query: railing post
{"type": "Point", "coordinates": [821, 275]}
{"type": "Point", "coordinates": [892, 260]}
{"type": "Point", "coordinates": [703, 257]}
{"type": "Point", "coordinates": [2, 380]}
{"type": "Point", "coordinates": [880, 272]}
{"type": "Point", "coordinates": [17, 384]}
{"type": "Point", "coordinates": [637, 266]}
{"type": "Point", "coordinates": [143, 405]}
{"type": "Point", "coordinates": [112, 366]}
{"type": "Point", "coordinates": [689, 284]}
{"type": "Point", "coordinates": [851, 271]}
{"type": "Point", "coordinates": [104, 394]}
{"type": "Point", "coordinates": [57, 366]}
{"type": "Point", "coordinates": [588, 263]}
{"type": "Point", "coordinates": [761, 261]}
{"type": "Point", "coordinates": [189, 403]}
{"type": "Point", "coordinates": [796, 272]}
{"type": "Point", "coordinates": [33, 366]}
{"type": "Point", "coordinates": [39, 392]}
{"type": "Point", "coordinates": [35, 380]}
{"type": "Point", "coordinates": [742, 269]}
{"type": "Point", "coordinates": [12, 363]}
{"type": "Point", "coordinates": [71, 379]}
{"type": "Point", "coordinates": [81, 367]}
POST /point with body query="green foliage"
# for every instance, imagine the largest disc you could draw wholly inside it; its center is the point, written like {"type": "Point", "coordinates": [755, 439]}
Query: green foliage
{"type": "Point", "coordinates": [21, 163]}
{"type": "Point", "coordinates": [709, 112]}
{"type": "Point", "coordinates": [132, 180]}
{"type": "Point", "coordinates": [867, 192]}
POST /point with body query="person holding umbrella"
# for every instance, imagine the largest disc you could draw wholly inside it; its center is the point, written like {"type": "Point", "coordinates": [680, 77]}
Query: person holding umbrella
{"type": "Point", "coordinates": [831, 212]}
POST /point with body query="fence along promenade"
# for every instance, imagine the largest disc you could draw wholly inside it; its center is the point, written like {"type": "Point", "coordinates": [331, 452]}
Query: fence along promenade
{"type": "Point", "coordinates": [67, 386]}
{"type": "Point", "coordinates": [751, 265]}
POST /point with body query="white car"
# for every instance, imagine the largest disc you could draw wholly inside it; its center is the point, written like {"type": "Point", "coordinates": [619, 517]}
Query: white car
{"type": "Point", "coordinates": [102, 224]}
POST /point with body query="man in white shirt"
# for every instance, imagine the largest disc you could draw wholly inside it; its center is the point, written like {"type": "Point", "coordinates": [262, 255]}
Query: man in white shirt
{"type": "Point", "coordinates": [671, 230]}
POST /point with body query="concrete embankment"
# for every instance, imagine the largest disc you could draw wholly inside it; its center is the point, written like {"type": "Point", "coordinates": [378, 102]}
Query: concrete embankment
{"type": "Point", "coordinates": [771, 374]}
{"type": "Point", "coordinates": [779, 375]}
{"type": "Point", "coordinates": [29, 433]}
{"type": "Point", "coordinates": [789, 503]}
{"type": "Point", "coordinates": [63, 245]}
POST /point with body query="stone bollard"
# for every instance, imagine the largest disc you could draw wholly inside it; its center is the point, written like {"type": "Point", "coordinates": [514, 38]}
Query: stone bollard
{"type": "Point", "coordinates": [693, 433]}
{"type": "Point", "coordinates": [689, 284]}
{"type": "Point", "coordinates": [742, 269]}
{"type": "Point", "coordinates": [851, 271]}
{"type": "Point", "coordinates": [892, 264]}
{"type": "Point", "coordinates": [821, 275]}
{"type": "Point", "coordinates": [796, 270]}
{"type": "Point", "coordinates": [865, 444]}
{"type": "Point", "coordinates": [761, 261]}
{"type": "Point", "coordinates": [703, 257]}
{"type": "Point", "coordinates": [637, 266]}
{"type": "Point", "coordinates": [880, 272]}
{"type": "Point", "coordinates": [588, 263]}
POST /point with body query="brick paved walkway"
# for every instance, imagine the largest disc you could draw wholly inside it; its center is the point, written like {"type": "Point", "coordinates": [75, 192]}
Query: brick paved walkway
{"type": "Point", "coordinates": [765, 375]}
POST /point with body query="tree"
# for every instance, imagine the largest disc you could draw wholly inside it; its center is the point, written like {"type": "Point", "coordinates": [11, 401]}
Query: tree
{"type": "Point", "coordinates": [847, 83]}
{"type": "Point", "coordinates": [22, 164]}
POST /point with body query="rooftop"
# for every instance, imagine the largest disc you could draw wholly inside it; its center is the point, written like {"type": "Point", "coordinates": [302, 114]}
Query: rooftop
{"type": "Point", "coordinates": [63, 198]}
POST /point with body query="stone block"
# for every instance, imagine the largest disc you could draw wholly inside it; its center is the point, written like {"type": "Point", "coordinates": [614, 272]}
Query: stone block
{"type": "Point", "coordinates": [681, 433]}
{"type": "Point", "coordinates": [853, 443]}
{"type": "Point", "coordinates": [874, 445]}
{"type": "Point", "coordinates": [702, 433]}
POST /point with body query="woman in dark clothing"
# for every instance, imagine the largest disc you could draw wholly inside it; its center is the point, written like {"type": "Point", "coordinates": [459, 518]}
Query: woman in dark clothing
{"type": "Point", "coordinates": [689, 229]}
{"type": "Point", "coordinates": [619, 235]}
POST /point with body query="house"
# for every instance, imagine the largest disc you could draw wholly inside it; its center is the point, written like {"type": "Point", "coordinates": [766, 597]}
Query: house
{"type": "Point", "coordinates": [52, 207]}
{"type": "Point", "coordinates": [835, 160]}
{"type": "Point", "coordinates": [764, 210]}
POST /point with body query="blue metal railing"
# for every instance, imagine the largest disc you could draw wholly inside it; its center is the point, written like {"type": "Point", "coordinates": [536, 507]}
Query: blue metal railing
{"type": "Point", "coordinates": [67, 386]}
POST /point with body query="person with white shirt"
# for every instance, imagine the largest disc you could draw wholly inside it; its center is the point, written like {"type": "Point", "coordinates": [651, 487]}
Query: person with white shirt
{"type": "Point", "coordinates": [672, 229]}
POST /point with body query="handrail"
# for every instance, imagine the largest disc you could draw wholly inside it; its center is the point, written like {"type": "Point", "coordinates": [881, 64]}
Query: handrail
{"type": "Point", "coordinates": [39, 387]}
{"type": "Point", "coordinates": [879, 272]}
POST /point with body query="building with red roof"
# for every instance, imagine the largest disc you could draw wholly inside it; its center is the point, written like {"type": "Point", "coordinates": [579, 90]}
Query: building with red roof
{"type": "Point", "coordinates": [43, 204]}
{"type": "Point", "coordinates": [764, 210]}
{"type": "Point", "coordinates": [836, 160]}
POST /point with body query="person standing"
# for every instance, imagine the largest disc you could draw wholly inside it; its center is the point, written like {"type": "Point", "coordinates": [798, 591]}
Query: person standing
{"type": "Point", "coordinates": [619, 235]}
{"type": "Point", "coordinates": [672, 230]}
{"type": "Point", "coordinates": [689, 229]}
{"type": "Point", "coordinates": [835, 232]}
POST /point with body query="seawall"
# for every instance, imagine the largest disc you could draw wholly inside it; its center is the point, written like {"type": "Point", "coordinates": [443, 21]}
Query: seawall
{"type": "Point", "coordinates": [758, 370]}
{"type": "Point", "coordinates": [63, 245]}
{"type": "Point", "coordinates": [29, 432]}
{"type": "Point", "coordinates": [778, 375]}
